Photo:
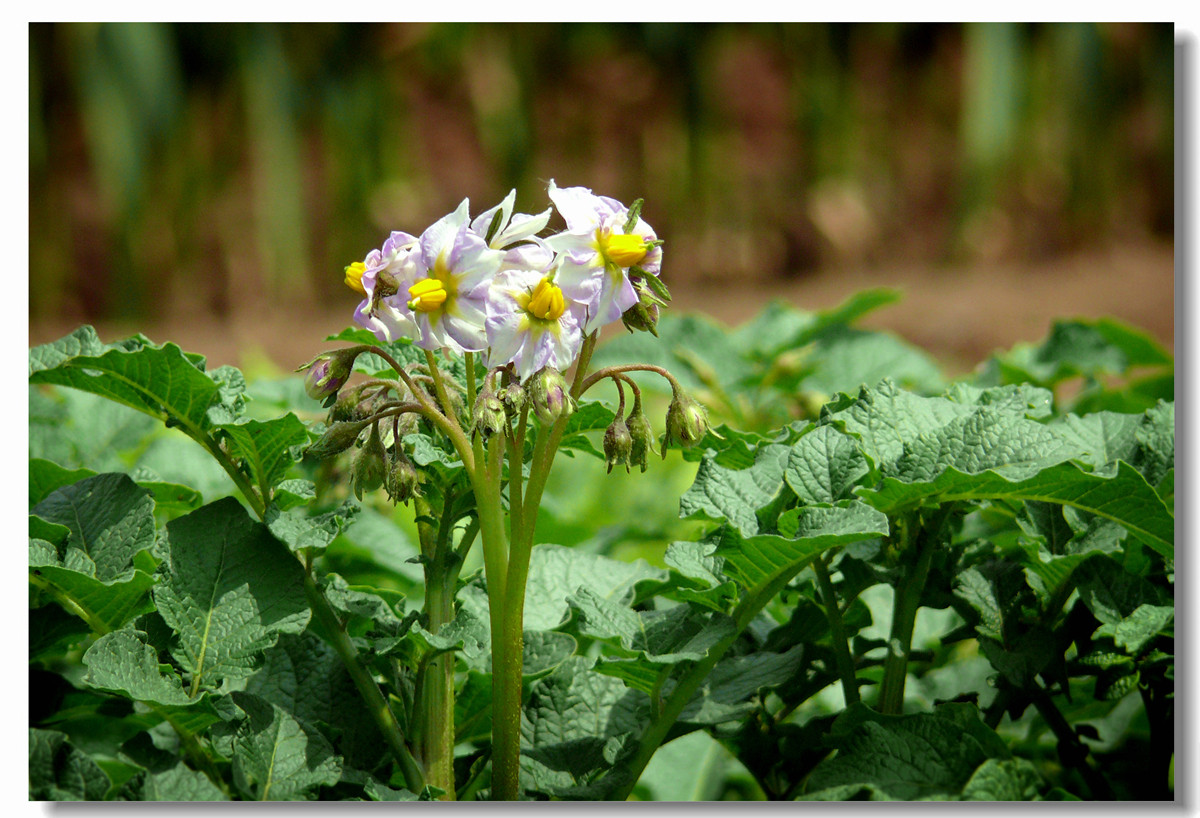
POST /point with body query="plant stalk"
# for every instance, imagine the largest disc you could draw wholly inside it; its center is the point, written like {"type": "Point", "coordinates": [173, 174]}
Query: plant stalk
{"type": "Point", "coordinates": [837, 629]}
{"type": "Point", "coordinates": [904, 617]}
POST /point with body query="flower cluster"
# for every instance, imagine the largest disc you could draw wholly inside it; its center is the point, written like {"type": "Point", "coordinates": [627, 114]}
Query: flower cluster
{"type": "Point", "coordinates": [493, 285]}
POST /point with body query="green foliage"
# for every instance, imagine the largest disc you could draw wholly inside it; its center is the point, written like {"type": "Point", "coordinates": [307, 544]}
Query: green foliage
{"type": "Point", "coordinates": [957, 591]}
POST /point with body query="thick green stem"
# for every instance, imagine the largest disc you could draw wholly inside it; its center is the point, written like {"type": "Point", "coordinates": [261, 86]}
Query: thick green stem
{"type": "Point", "coordinates": [437, 705]}
{"type": "Point", "coordinates": [904, 617]}
{"type": "Point", "coordinates": [837, 629]}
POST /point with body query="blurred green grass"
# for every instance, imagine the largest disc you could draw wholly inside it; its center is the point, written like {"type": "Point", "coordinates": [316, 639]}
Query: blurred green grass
{"type": "Point", "coordinates": [238, 167]}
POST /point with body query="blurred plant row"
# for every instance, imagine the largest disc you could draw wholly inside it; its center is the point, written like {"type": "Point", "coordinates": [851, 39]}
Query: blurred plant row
{"type": "Point", "coordinates": [227, 166]}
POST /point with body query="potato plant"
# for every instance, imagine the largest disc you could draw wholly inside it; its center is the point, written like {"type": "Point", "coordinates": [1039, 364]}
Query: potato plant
{"type": "Point", "coordinates": [874, 582]}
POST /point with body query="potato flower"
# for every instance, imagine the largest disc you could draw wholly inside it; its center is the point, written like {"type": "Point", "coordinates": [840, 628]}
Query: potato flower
{"type": "Point", "coordinates": [377, 277]}
{"type": "Point", "coordinates": [530, 322]}
{"type": "Point", "coordinates": [446, 289]}
{"type": "Point", "coordinates": [596, 253]}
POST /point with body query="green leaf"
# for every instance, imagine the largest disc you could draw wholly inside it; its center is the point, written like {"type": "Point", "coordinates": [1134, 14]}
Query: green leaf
{"type": "Point", "coordinates": [230, 589]}
{"type": "Point", "coordinates": [53, 632]}
{"type": "Point", "coordinates": [677, 634]}
{"type": "Point", "coordinates": [807, 531]}
{"type": "Point", "coordinates": [591, 416]}
{"type": "Point", "coordinates": [1014, 779]}
{"type": "Point", "coordinates": [735, 495]}
{"type": "Point", "coordinates": [181, 784]}
{"type": "Point", "coordinates": [1101, 438]}
{"type": "Point", "coordinates": [1135, 631]}
{"type": "Point", "coordinates": [846, 359]}
{"type": "Point", "coordinates": [823, 465]}
{"type": "Point", "coordinates": [161, 381]}
{"type": "Point", "coordinates": [278, 758]}
{"type": "Point", "coordinates": [728, 690]}
{"type": "Point", "coordinates": [122, 662]}
{"type": "Point", "coordinates": [305, 677]}
{"type": "Point", "coordinates": [105, 606]}
{"type": "Point", "coordinates": [1156, 443]}
{"type": "Point", "coordinates": [780, 327]}
{"type": "Point", "coordinates": [922, 755]}
{"type": "Point", "coordinates": [301, 532]}
{"type": "Point", "coordinates": [267, 448]}
{"type": "Point", "coordinates": [45, 476]}
{"type": "Point", "coordinates": [574, 725]}
{"type": "Point", "coordinates": [371, 620]}
{"type": "Point", "coordinates": [556, 572]}
{"type": "Point", "coordinates": [110, 518]}
{"type": "Point", "coordinates": [1124, 497]}
{"type": "Point", "coordinates": [59, 772]}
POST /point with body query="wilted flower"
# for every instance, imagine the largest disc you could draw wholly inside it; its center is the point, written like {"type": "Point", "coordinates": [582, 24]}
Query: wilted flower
{"type": "Point", "coordinates": [402, 481]}
{"type": "Point", "coordinates": [596, 253]}
{"type": "Point", "coordinates": [640, 433]}
{"type": "Point", "coordinates": [531, 324]}
{"type": "Point", "coordinates": [369, 466]}
{"type": "Point", "coordinates": [618, 444]}
{"type": "Point", "coordinates": [687, 422]}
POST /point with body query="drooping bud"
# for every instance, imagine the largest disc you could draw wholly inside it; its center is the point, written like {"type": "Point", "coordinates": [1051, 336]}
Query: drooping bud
{"type": "Point", "coordinates": [337, 438]}
{"type": "Point", "coordinates": [370, 465]}
{"type": "Point", "coordinates": [403, 481]}
{"type": "Point", "coordinates": [328, 372]}
{"type": "Point", "coordinates": [617, 444]}
{"type": "Point", "coordinates": [687, 422]}
{"type": "Point", "coordinates": [640, 433]}
{"type": "Point", "coordinates": [550, 397]}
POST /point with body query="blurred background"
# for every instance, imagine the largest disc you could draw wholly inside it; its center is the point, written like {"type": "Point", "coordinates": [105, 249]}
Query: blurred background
{"type": "Point", "coordinates": [207, 183]}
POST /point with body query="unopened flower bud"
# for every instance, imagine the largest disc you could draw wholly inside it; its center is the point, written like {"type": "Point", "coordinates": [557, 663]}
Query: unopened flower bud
{"type": "Point", "coordinates": [687, 422]}
{"type": "Point", "coordinates": [402, 482]}
{"type": "Point", "coordinates": [369, 466]}
{"type": "Point", "coordinates": [337, 438]}
{"type": "Point", "coordinates": [617, 444]}
{"type": "Point", "coordinates": [550, 397]}
{"type": "Point", "coordinates": [652, 294]}
{"type": "Point", "coordinates": [641, 435]}
{"type": "Point", "coordinates": [328, 372]}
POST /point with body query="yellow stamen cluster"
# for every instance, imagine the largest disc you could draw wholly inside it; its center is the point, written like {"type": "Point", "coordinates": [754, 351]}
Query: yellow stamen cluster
{"type": "Point", "coordinates": [427, 295]}
{"type": "Point", "coordinates": [624, 249]}
{"type": "Point", "coordinates": [354, 274]}
{"type": "Point", "coordinates": [547, 301]}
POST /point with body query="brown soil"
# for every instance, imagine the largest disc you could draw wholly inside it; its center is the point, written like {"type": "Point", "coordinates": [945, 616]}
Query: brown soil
{"type": "Point", "coordinates": [960, 315]}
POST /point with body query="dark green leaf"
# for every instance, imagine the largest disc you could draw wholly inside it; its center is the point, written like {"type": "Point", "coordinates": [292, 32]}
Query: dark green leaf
{"type": "Point", "coordinates": [111, 519]}
{"type": "Point", "coordinates": [59, 772]}
{"type": "Point", "coordinates": [231, 588]}
{"type": "Point", "coordinates": [278, 758]}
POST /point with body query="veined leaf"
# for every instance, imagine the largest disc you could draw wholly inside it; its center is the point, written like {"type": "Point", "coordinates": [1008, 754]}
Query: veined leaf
{"type": "Point", "coordinates": [104, 605]}
{"type": "Point", "coordinates": [160, 381]}
{"type": "Point", "coordinates": [110, 518]}
{"type": "Point", "coordinates": [60, 772]}
{"type": "Point", "coordinates": [266, 447]}
{"type": "Point", "coordinates": [823, 465]}
{"type": "Point", "coordinates": [735, 495]}
{"type": "Point", "coordinates": [278, 758]}
{"type": "Point", "coordinates": [1125, 497]}
{"type": "Point", "coordinates": [230, 589]}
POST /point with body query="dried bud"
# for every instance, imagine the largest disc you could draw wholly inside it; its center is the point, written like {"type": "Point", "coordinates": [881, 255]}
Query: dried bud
{"type": "Point", "coordinates": [687, 422]}
{"type": "Point", "coordinates": [488, 416]}
{"type": "Point", "coordinates": [337, 438]}
{"type": "Point", "coordinates": [328, 372]}
{"type": "Point", "coordinates": [641, 435]}
{"type": "Point", "coordinates": [513, 396]}
{"type": "Point", "coordinates": [403, 481]}
{"type": "Point", "coordinates": [369, 466]}
{"type": "Point", "coordinates": [617, 444]}
{"type": "Point", "coordinates": [549, 395]}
